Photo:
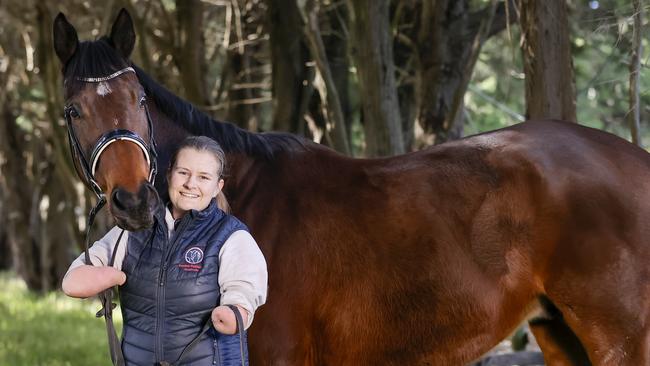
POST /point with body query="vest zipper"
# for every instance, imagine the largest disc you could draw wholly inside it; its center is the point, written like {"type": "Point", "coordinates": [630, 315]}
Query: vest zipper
{"type": "Point", "coordinates": [160, 289]}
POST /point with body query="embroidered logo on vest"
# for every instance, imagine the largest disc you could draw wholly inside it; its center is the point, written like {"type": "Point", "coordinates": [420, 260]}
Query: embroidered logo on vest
{"type": "Point", "coordinates": [193, 258]}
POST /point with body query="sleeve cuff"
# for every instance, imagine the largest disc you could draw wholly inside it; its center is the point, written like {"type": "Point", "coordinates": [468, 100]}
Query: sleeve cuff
{"type": "Point", "coordinates": [232, 298]}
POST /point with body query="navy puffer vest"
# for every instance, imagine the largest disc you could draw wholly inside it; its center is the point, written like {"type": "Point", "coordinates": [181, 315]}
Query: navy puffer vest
{"type": "Point", "coordinates": [171, 289]}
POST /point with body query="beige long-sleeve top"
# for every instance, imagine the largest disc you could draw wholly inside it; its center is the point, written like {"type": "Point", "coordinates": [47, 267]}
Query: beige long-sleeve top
{"type": "Point", "coordinates": [243, 278]}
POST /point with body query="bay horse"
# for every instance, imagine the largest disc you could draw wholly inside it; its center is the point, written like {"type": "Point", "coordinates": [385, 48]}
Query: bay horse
{"type": "Point", "coordinates": [427, 258]}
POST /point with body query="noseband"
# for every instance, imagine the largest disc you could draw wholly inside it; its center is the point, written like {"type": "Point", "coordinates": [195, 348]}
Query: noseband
{"type": "Point", "coordinates": [89, 168]}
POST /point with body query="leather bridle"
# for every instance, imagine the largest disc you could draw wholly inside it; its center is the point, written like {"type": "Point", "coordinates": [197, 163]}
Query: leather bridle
{"type": "Point", "coordinates": [89, 167]}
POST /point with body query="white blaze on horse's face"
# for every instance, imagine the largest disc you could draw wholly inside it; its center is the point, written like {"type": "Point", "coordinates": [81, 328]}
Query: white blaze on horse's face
{"type": "Point", "coordinates": [103, 88]}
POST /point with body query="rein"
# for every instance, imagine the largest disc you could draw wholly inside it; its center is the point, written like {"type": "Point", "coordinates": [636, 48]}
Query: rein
{"type": "Point", "coordinates": [106, 296]}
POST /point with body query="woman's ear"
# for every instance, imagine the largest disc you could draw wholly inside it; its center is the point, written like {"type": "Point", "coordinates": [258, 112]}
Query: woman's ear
{"type": "Point", "coordinates": [219, 187]}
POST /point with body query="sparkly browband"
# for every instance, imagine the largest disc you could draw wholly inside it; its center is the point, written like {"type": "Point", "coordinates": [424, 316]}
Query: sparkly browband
{"type": "Point", "coordinates": [111, 76]}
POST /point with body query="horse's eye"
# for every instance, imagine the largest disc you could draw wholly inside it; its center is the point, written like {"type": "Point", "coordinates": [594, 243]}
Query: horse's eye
{"type": "Point", "coordinates": [143, 100]}
{"type": "Point", "coordinates": [73, 112]}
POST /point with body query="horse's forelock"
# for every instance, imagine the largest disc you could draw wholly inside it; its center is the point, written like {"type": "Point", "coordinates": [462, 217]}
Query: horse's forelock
{"type": "Point", "coordinates": [92, 59]}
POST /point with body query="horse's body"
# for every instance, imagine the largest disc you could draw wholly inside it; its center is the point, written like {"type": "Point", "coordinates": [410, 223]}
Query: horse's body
{"type": "Point", "coordinates": [433, 257]}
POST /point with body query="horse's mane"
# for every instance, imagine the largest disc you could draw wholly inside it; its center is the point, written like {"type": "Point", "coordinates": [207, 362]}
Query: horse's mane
{"type": "Point", "coordinates": [230, 137]}
{"type": "Point", "coordinates": [99, 58]}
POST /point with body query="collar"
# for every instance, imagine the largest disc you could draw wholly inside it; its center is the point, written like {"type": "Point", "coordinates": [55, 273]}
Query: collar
{"type": "Point", "coordinates": [194, 214]}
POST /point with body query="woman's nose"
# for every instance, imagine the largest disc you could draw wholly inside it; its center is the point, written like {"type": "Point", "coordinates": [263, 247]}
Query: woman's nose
{"type": "Point", "coordinates": [190, 182]}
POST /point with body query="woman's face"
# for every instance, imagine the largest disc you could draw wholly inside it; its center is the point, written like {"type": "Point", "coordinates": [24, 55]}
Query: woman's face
{"type": "Point", "coordinates": [193, 181]}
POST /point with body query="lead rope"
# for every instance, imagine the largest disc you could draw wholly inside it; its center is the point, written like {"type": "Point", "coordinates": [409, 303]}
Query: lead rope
{"type": "Point", "coordinates": [106, 296]}
{"type": "Point", "coordinates": [240, 331]}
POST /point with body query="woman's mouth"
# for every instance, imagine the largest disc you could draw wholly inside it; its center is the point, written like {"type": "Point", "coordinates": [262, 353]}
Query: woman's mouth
{"type": "Point", "coordinates": [189, 195]}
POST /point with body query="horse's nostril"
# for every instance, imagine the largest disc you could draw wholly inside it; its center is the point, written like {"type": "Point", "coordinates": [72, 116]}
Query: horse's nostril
{"type": "Point", "coordinates": [120, 199]}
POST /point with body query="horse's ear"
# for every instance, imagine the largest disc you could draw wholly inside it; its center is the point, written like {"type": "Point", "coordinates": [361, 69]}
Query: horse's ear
{"type": "Point", "coordinates": [123, 34]}
{"type": "Point", "coordinates": [65, 38]}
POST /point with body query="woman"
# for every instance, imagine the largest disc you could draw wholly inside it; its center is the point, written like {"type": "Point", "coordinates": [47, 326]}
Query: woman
{"type": "Point", "coordinates": [194, 264]}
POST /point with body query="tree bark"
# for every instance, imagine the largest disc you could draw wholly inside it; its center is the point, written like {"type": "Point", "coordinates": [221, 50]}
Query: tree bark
{"type": "Point", "coordinates": [5, 251]}
{"type": "Point", "coordinates": [458, 100]}
{"type": "Point", "coordinates": [327, 89]}
{"type": "Point", "coordinates": [443, 48]}
{"type": "Point", "coordinates": [16, 189]}
{"type": "Point", "coordinates": [439, 38]}
{"type": "Point", "coordinates": [550, 87]}
{"type": "Point", "coordinates": [289, 57]}
{"type": "Point", "coordinates": [634, 115]}
{"type": "Point", "coordinates": [336, 43]}
{"type": "Point", "coordinates": [238, 111]}
{"type": "Point", "coordinates": [373, 52]}
{"type": "Point", "coordinates": [243, 78]}
{"type": "Point", "coordinates": [190, 51]}
{"type": "Point", "coordinates": [35, 163]}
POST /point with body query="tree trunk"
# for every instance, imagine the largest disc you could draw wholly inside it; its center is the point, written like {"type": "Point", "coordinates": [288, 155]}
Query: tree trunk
{"type": "Point", "coordinates": [17, 196]}
{"type": "Point", "coordinates": [289, 57]}
{"type": "Point", "coordinates": [37, 184]}
{"type": "Point", "coordinates": [60, 235]}
{"type": "Point", "coordinates": [327, 88]}
{"type": "Point", "coordinates": [336, 49]}
{"type": "Point", "coordinates": [443, 48]}
{"type": "Point", "coordinates": [550, 87]}
{"type": "Point", "coordinates": [5, 251]}
{"type": "Point", "coordinates": [190, 51]}
{"type": "Point", "coordinates": [373, 52]}
{"type": "Point", "coordinates": [243, 93]}
{"type": "Point", "coordinates": [441, 38]}
{"type": "Point", "coordinates": [634, 115]}
{"type": "Point", "coordinates": [239, 110]}
{"type": "Point", "coordinates": [458, 100]}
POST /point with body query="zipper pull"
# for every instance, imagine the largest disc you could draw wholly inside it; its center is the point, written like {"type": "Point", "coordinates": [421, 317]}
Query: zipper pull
{"type": "Point", "coordinates": [163, 275]}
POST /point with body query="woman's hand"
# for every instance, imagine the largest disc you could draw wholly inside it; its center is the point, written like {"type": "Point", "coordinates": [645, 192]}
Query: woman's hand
{"type": "Point", "coordinates": [86, 281]}
{"type": "Point", "coordinates": [224, 321]}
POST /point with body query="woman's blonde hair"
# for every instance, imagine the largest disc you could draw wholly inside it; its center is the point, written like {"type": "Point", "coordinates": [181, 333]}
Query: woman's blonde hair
{"type": "Point", "coordinates": [204, 143]}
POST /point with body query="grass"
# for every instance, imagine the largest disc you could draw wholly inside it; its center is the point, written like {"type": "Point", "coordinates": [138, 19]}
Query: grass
{"type": "Point", "coordinates": [51, 329]}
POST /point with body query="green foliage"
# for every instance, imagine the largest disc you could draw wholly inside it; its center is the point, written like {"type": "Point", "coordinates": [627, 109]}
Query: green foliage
{"type": "Point", "coordinates": [601, 42]}
{"type": "Point", "coordinates": [496, 96]}
{"type": "Point", "coordinates": [49, 330]}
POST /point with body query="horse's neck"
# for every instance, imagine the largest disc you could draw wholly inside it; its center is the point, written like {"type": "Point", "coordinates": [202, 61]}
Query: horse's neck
{"type": "Point", "coordinates": [168, 135]}
{"type": "Point", "coordinates": [240, 179]}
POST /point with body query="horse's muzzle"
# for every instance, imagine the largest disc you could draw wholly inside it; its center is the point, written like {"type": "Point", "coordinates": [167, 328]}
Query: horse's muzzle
{"type": "Point", "coordinates": [134, 211]}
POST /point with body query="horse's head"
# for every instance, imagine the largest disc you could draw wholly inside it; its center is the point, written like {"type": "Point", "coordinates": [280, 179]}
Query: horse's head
{"type": "Point", "coordinates": [108, 123]}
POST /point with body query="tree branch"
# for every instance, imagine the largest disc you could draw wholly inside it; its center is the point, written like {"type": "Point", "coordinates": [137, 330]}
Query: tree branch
{"type": "Point", "coordinates": [502, 17]}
